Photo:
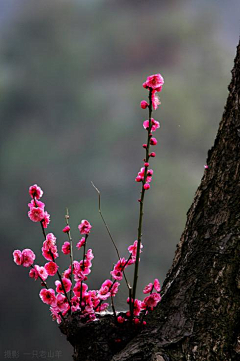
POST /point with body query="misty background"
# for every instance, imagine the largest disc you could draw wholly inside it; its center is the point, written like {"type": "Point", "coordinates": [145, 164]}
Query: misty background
{"type": "Point", "coordinates": [71, 75]}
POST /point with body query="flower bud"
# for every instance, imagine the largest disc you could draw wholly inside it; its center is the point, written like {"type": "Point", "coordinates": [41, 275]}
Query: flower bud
{"type": "Point", "coordinates": [66, 229]}
{"type": "Point", "coordinates": [144, 104]}
{"type": "Point", "coordinates": [146, 186]}
{"type": "Point", "coordinates": [153, 141]}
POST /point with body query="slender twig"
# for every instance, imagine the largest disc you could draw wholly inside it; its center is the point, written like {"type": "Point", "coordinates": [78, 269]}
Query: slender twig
{"type": "Point", "coordinates": [71, 250]}
{"type": "Point", "coordinates": [135, 279]}
{"type": "Point", "coordinates": [108, 230]}
{"type": "Point", "coordinates": [113, 308]}
{"type": "Point", "coordinates": [84, 255]}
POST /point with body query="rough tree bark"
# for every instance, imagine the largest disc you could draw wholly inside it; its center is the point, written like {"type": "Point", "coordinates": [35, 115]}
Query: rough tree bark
{"type": "Point", "coordinates": [199, 315]}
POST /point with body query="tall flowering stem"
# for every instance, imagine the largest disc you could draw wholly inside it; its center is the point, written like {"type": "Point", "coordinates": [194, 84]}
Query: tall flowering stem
{"type": "Point", "coordinates": [141, 201]}
{"type": "Point", "coordinates": [71, 249]}
{"type": "Point", "coordinates": [153, 84]}
{"type": "Point", "coordinates": [84, 256]}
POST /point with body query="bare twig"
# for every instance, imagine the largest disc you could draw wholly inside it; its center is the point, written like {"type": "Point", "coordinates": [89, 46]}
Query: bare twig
{"type": "Point", "coordinates": [108, 230]}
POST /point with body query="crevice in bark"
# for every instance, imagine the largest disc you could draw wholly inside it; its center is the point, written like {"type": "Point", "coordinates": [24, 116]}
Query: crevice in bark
{"type": "Point", "coordinates": [199, 315]}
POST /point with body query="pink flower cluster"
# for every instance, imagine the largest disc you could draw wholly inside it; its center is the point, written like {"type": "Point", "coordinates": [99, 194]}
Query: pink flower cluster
{"type": "Point", "coordinates": [87, 302]}
{"type": "Point", "coordinates": [71, 293]}
{"type": "Point", "coordinates": [153, 83]}
{"type": "Point", "coordinates": [141, 308]}
{"type": "Point", "coordinates": [120, 266]}
{"type": "Point", "coordinates": [24, 258]}
{"type": "Point", "coordinates": [37, 212]}
{"type": "Point", "coordinates": [49, 248]}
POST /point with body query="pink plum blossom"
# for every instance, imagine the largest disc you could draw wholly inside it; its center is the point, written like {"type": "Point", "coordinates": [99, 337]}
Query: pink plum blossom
{"type": "Point", "coordinates": [155, 100]}
{"type": "Point", "coordinates": [50, 253]}
{"type": "Point", "coordinates": [28, 257]}
{"type": "Point", "coordinates": [94, 298]}
{"type": "Point", "coordinates": [78, 287]}
{"type": "Point", "coordinates": [80, 277]}
{"type": "Point", "coordinates": [81, 243]}
{"type": "Point", "coordinates": [155, 82]}
{"type": "Point", "coordinates": [153, 154]}
{"type": "Point", "coordinates": [66, 283]}
{"type": "Point", "coordinates": [152, 300]}
{"type": "Point", "coordinates": [67, 273]}
{"type": "Point", "coordinates": [117, 275]}
{"type": "Point", "coordinates": [84, 227]}
{"type": "Point", "coordinates": [35, 191]}
{"type": "Point", "coordinates": [62, 303]}
{"type": "Point", "coordinates": [117, 272]}
{"type": "Point", "coordinates": [17, 257]}
{"type": "Point", "coordinates": [133, 249]}
{"type": "Point", "coordinates": [51, 268]}
{"type": "Point", "coordinates": [42, 272]}
{"type": "Point", "coordinates": [55, 314]}
{"type": "Point", "coordinates": [148, 288]}
{"type": "Point", "coordinates": [33, 273]}
{"type": "Point", "coordinates": [35, 203]}
{"type": "Point", "coordinates": [46, 219]}
{"type": "Point", "coordinates": [85, 266]}
{"type": "Point", "coordinates": [50, 240]}
{"type": "Point", "coordinates": [48, 296]}
{"type": "Point", "coordinates": [114, 289]}
{"type": "Point", "coordinates": [154, 124]}
{"type": "Point", "coordinates": [36, 214]}
{"type": "Point", "coordinates": [137, 306]}
{"type": "Point", "coordinates": [37, 271]}
{"type": "Point", "coordinates": [102, 307]}
{"type": "Point", "coordinates": [121, 264]}
{"type": "Point", "coordinates": [75, 304]}
{"type": "Point", "coordinates": [146, 186]}
{"type": "Point", "coordinates": [89, 254]}
{"type": "Point", "coordinates": [49, 249]}
{"type": "Point", "coordinates": [157, 285]}
{"type": "Point", "coordinates": [66, 248]}
{"type": "Point", "coordinates": [104, 291]}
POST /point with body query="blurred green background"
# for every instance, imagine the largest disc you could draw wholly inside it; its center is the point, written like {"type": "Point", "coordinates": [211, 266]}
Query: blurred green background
{"type": "Point", "coordinates": [71, 75]}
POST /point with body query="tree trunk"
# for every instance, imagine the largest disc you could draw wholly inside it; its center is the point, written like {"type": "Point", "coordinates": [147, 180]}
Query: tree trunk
{"type": "Point", "coordinates": [199, 315]}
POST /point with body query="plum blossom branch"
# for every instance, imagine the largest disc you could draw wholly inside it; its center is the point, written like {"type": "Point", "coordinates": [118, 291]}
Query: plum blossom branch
{"type": "Point", "coordinates": [154, 83]}
{"type": "Point", "coordinates": [80, 299]}
{"type": "Point", "coordinates": [71, 246]}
